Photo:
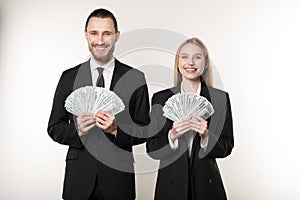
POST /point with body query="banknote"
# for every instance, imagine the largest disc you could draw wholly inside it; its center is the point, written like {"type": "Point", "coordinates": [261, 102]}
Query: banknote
{"type": "Point", "coordinates": [92, 99]}
{"type": "Point", "coordinates": [183, 105]}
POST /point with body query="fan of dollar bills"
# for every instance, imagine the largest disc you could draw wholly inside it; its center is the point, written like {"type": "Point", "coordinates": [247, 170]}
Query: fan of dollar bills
{"type": "Point", "coordinates": [92, 99]}
{"type": "Point", "coordinates": [180, 106]}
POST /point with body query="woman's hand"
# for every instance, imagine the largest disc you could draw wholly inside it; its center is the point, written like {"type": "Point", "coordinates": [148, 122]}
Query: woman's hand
{"type": "Point", "coordinates": [179, 128]}
{"type": "Point", "coordinates": [199, 125]}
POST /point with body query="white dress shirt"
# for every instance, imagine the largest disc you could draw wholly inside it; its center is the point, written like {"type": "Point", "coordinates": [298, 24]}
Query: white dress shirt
{"type": "Point", "coordinates": [107, 72]}
{"type": "Point", "coordinates": [190, 134]}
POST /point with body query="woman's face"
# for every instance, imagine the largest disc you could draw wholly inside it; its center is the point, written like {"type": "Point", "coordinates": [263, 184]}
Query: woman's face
{"type": "Point", "coordinates": [191, 62]}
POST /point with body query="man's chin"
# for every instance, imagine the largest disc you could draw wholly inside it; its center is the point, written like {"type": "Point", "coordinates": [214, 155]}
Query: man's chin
{"type": "Point", "coordinates": [102, 59]}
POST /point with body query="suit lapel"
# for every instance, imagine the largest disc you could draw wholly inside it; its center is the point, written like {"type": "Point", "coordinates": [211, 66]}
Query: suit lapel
{"type": "Point", "coordinates": [182, 142]}
{"type": "Point", "coordinates": [84, 76]}
{"type": "Point", "coordinates": [175, 90]}
{"type": "Point", "coordinates": [117, 74]}
{"type": "Point", "coordinates": [205, 93]}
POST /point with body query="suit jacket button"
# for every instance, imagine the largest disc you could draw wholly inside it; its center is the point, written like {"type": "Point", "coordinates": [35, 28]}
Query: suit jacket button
{"type": "Point", "coordinates": [210, 180]}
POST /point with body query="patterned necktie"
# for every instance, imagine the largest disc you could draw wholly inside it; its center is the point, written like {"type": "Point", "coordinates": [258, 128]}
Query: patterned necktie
{"type": "Point", "coordinates": [100, 80]}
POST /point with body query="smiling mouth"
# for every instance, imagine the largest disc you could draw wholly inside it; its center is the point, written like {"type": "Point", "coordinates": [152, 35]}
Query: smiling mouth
{"type": "Point", "coordinates": [190, 69]}
{"type": "Point", "coordinates": [101, 48]}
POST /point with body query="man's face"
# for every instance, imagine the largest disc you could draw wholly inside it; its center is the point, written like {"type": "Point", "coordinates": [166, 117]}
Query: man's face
{"type": "Point", "coordinates": [101, 37]}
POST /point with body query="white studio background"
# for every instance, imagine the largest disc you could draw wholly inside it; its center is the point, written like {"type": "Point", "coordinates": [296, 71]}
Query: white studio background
{"type": "Point", "coordinates": [254, 45]}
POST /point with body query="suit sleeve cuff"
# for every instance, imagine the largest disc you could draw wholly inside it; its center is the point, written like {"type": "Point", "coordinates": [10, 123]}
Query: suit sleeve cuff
{"type": "Point", "coordinates": [204, 142]}
{"type": "Point", "coordinates": [173, 145]}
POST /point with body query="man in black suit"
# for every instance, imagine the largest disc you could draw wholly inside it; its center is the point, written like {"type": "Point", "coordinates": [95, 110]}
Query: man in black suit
{"type": "Point", "coordinates": [99, 163]}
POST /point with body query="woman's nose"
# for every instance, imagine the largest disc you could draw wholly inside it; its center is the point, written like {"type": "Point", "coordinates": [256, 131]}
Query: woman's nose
{"type": "Point", "coordinates": [191, 61]}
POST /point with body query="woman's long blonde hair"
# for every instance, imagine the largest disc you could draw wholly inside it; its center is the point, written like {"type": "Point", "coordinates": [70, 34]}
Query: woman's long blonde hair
{"type": "Point", "coordinates": [207, 73]}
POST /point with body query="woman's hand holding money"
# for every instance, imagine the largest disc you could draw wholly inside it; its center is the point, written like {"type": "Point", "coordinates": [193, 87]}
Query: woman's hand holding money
{"type": "Point", "coordinates": [85, 121]}
{"type": "Point", "coordinates": [179, 128]}
{"type": "Point", "coordinates": [194, 122]}
{"type": "Point", "coordinates": [199, 125]}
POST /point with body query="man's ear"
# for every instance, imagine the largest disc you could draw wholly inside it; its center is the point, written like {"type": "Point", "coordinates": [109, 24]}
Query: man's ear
{"type": "Point", "coordinates": [117, 35]}
{"type": "Point", "coordinates": [86, 35]}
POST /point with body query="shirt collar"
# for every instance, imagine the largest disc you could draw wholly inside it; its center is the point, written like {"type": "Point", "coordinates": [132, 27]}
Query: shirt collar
{"type": "Point", "coordinates": [108, 66]}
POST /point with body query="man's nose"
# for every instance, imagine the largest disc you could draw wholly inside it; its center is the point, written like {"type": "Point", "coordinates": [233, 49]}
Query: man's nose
{"type": "Point", "coordinates": [100, 39]}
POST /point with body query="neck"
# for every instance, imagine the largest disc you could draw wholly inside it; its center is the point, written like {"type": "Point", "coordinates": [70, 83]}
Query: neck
{"type": "Point", "coordinates": [102, 62]}
{"type": "Point", "coordinates": [190, 85]}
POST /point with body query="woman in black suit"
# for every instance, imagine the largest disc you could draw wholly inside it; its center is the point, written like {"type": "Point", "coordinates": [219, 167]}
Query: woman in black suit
{"type": "Point", "coordinates": [188, 148]}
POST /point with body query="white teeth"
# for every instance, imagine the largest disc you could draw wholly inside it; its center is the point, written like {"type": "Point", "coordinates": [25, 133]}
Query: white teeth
{"type": "Point", "coordinates": [190, 70]}
{"type": "Point", "coordinates": [100, 48]}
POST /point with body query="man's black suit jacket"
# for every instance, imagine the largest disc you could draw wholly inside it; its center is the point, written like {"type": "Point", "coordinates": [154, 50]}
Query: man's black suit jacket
{"type": "Point", "coordinates": [115, 168]}
{"type": "Point", "coordinates": [176, 168]}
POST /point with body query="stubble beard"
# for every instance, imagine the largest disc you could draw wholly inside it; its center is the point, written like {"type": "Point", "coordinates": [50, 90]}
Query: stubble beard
{"type": "Point", "coordinates": [103, 59]}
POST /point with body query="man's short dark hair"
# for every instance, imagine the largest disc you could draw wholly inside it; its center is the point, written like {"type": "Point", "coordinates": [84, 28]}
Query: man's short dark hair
{"type": "Point", "coordinates": [102, 13]}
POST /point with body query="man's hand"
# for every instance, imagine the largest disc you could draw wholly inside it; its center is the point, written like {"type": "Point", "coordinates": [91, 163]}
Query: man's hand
{"type": "Point", "coordinates": [107, 122]}
{"type": "Point", "coordinates": [85, 121]}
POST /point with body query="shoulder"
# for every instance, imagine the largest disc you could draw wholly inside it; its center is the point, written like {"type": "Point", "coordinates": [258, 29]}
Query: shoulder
{"type": "Point", "coordinates": [126, 68]}
{"type": "Point", "coordinates": [71, 72]}
{"type": "Point", "coordinates": [219, 97]}
{"type": "Point", "coordinates": [216, 91]}
{"type": "Point", "coordinates": [122, 65]}
{"type": "Point", "coordinates": [163, 95]}
{"type": "Point", "coordinates": [166, 92]}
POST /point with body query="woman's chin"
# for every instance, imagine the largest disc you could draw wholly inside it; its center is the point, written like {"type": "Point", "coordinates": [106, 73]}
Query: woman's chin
{"type": "Point", "coordinates": [192, 77]}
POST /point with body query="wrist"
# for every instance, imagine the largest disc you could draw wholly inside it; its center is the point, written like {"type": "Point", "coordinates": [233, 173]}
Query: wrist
{"type": "Point", "coordinates": [81, 133]}
{"type": "Point", "coordinates": [172, 135]}
{"type": "Point", "coordinates": [204, 135]}
{"type": "Point", "coordinates": [114, 132]}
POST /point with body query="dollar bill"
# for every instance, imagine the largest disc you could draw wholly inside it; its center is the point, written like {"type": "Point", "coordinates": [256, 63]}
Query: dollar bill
{"type": "Point", "coordinates": [183, 105]}
{"type": "Point", "coordinates": [92, 99]}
